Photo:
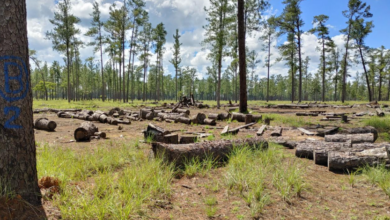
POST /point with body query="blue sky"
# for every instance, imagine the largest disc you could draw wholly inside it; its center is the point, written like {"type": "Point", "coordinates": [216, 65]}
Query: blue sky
{"type": "Point", "coordinates": [189, 17]}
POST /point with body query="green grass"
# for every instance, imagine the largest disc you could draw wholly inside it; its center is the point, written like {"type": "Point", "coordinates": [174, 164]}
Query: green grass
{"type": "Point", "coordinates": [121, 180]}
{"type": "Point", "coordinates": [250, 172]}
{"type": "Point", "coordinates": [286, 120]}
{"type": "Point", "coordinates": [379, 176]}
{"type": "Point", "coordinates": [195, 166]}
{"type": "Point", "coordinates": [380, 123]}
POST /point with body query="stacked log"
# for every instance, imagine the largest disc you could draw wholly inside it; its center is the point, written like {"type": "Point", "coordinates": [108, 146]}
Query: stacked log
{"type": "Point", "coordinates": [363, 130]}
{"type": "Point", "coordinates": [45, 124]}
{"type": "Point", "coordinates": [219, 150]}
{"type": "Point", "coordinates": [355, 138]}
{"type": "Point", "coordinates": [339, 160]}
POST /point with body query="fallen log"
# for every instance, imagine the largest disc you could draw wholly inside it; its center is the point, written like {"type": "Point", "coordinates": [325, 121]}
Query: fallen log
{"type": "Point", "coordinates": [112, 121]}
{"type": "Point", "coordinates": [103, 118]}
{"type": "Point", "coordinates": [306, 114]}
{"type": "Point", "coordinates": [308, 133]}
{"type": "Point", "coordinates": [225, 130]}
{"type": "Point", "coordinates": [237, 129]}
{"type": "Point", "coordinates": [277, 132]}
{"type": "Point", "coordinates": [100, 134]}
{"type": "Point", "coordinates": [144, 112]}
{"type": "Point", "coordinates": [45, 124]}
{"type": "Point", "coordinates": [198, 118]}
{"type": "Point", "coordinates": [285, 143]}
{"type": "Point", "coordinates": [64, 110]}
{"type": "Point", "coordinates": [363, 130]}
{"type": "Point", "coordinates": [85, 131]}
{"type": "Point", "coordinates": [338, 160]}
{"type": "Point", "coordinates": [232, 109]}
{"type": "Point", "coordinates": [320, 157]}
{"type": "Point", "coordinates": [256, 118]}
{"type": "Point", "coordinates": [186, 111]}
{"type": "Point", "coordinates": [213, 116]}
{"type": "Point", "coordinates": [155, 133]}
{"type": "Point", "coordinates": [306, 149]}
{"type": "Point", "coordinates": [261, 130]}
{"type": "Point", "coordinates": [209, 122]}
{"type": "Point", "coordinates": [238, 117]}
{"type": "Point", "coordinates": [218, 150]}
{"type": "Point", "coordinates": [355, 138]}
{"type": "Point", "coordinates": [379, 112]}
{"type": "Point", "coordinates": [248, 119]}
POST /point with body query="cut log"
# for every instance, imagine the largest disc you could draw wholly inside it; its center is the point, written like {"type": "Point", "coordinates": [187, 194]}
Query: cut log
{"type": "Point", "coordinates": [248, 119]}
{"type": "Point", "coordinates": [308, 133]}
{"type": "Point", "coordinates": [198, 118]}
{"type": "Point", "coordinates": [171, 139]}
{"type": "Point", "coordinates": [155, 133]}
{"type": "Point", "coordinates": [363, 130]}
{"type": "Point", "coordinates": [149, 116]}
{"type": "Point", "coordinates": [112, 121]}
{"type": "Point", "coordinates": [306, 114]}
{"type": "Point", "coordinates": [170, 121]}
{"type": "Point", "coordinates": [277, 132]}
{"type": "Point", "coordinates": [213, 116]}
{"type": "Point", "coordinates": [338, 160]}
{"type": "Point", "coordinates": [256, 118]}
{"type": "Point", "coordinates": [232, 109]}
{"type": "Point", "coordinates": [234, 131]}
{"type": "Point", "coordinates": [144, 112]}
{"type": "Point", "coordinates": [225, 130]}
{"type": "Point", "coordinates": [209, 122]}
{"type": "Point", "coordinates": [320, 157]}
{"type": "Point", "coordinates": [103, 118]}
{"type": "Point", "coordinates": [238, 117]}
{"type": "Point", "coordinates": [186, 111]}
{"type": "Point", "coordinates": [286, 143]}
{"type": "Point", "coordinates": [125, 122]}
{"type": "Point", "coordinates": [355, 138]}
{"type": "Point", "coordinates": [188, 139]}
{"type": "Point", "coordinates": [306, 149]}
{"type": "Point", "coordinates": [45, 124]}
{"type": "Point", "coordinates": [219, 150]}
{"type": "Point", "coordinates": [100, 134]}
{"type": "Point", "coordinates": [379, 112]}
{"type": "Point", "coordinates": [261, 130]}
{"type": "Point", "coordinates": [85, 131]}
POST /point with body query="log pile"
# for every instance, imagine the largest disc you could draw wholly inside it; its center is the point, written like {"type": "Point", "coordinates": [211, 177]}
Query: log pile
{"type": "Point", "coordinates": [114, 116]}
{"type": "Point", "coordinates": [219, 150]}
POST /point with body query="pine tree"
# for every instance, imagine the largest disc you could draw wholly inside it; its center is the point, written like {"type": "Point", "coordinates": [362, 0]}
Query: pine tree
{"type": "Point", "coordinates": [176, 60]}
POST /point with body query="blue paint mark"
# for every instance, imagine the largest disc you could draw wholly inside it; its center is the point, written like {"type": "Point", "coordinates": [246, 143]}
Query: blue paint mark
{"type": "Point", "coordinates": [21, 93]}
{"type": "Point", "coordinates": [8, 124]}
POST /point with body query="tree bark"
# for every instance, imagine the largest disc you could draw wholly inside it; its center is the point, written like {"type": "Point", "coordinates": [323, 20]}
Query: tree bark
{"type": "Point", "coordinates": [242, 56]}
{"type": "Point", "coordinates": [18, 150]}
{"type": "Point", "coordinates": [219, 150]}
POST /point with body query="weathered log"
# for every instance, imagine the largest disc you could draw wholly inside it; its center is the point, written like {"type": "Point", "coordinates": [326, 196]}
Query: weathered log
{"type": "Point", "coordinates": [248, 119]}
{"type": "Point", "coordinates": [124, 121]}
{"type": "Point", "coordinates": [234, 131]}
{"type": "Point", "coordinates": [85, 131]}
{"type": "Point", "coordinates": [306, 149]}
{"type": "Point", "coordinates": [219, 150]}
{"type": "Point", "coordinates": [170, 121]}
{"type": "Point", "coordinates": [155, 133]}
{"type": "Point", "coordinates": [261, 130]}
{"type": "Point", "coordinates": [225, 130]}
{"type": "Point", "coordinates": [112, 121]}
{"type": "Point", "coordinates": [379, 112]}
{"type": "Point", "coordinates": [238, 117]}
{"type": "Point", "coordinates": [355, 138]}
{"type": "Point", "coordinates": [208, 121]}
{"type": "Point", "coordinates": [256, 118]}
{"type": "Point", "coordinates": [320, 157]}
{"type": "Point", "coordinates": [64, 110]}
{"type": "Point", "coordinates": [37, 111]}
{"type": "Point", "coordinates": [286, 143]}
{"type": "Point", "coordinates": [149, 116]}
{"type": "Point", "coordinates": [183, 111]}
{"type": "Point", "coordinates": [198, 118]}
{"type": "Point", "coordinates": [306, 114]}
{"type": "Point", "coordinates": [86, 112]}
{"type": "Point", "coordinates": [45, 124]}
{"type": "Point", "coordinates": [338, 160]}
{"type": "Point", "coordinates": [213, 116]}
{"type": "Point", "coordinates": [66, 115]}
{"type": "Point", "coordinates": [188, 139]}
{"type": "Point", "coordinates": [277, 132]}
{"type": "Point", "coordinates": [103, 118]}
{"type": "Point", "coordinates": [100, 134]}
{"type": "Point", "coordinates": [144, 112]}
{"type": "Point", "coordinates": [171, 139]}
{"type": "Point", "coordinates": [362, 130]}
{"type": "Point", "coordinates": [308, 133]}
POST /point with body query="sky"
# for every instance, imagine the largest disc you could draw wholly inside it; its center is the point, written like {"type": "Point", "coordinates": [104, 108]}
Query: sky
{"type": "Point", "coordinates": [189, 17]}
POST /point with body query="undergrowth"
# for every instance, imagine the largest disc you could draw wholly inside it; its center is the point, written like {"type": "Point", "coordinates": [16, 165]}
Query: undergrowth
{"type": "Point", "coordinates": [286, 120]}
{"type": "Point", "coordinates": [378, 176]}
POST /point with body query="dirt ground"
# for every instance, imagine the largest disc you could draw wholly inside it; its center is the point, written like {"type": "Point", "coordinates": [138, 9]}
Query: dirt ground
{"type": "Point", "coordinates": [329, 195]}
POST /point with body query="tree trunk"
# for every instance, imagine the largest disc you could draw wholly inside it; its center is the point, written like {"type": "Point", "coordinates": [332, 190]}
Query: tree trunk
{"type": "Point", "coordinates": [323, 69]}
{"type": "Point", "coordinates": [338, 160]}
{"type": "Point", "coordinates": [365, 73]}
{"type": "Point", "coordinates": [242, 56]}
{"type": "Point", "coordinates": [300, 64]}
{"type": "Point", "coordinates": [18, 150]}
{"type": "Point", "coordinates": [219, 150]}
{"type": "Point", "coordinates": [268, 65]}
{"type": "Point", "coordinates": [344, 91]}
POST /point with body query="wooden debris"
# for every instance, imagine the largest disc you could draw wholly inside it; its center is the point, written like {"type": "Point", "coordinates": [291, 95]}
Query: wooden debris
{"type": "Point", "coordinates": [85, 131]}
{"type": "Point", "coordinates": [219, 150]}
{"type": "Point", "coordinates": [308, 133]}
{"type": "Point", "coordinates": [225, 130]}
{"type": "Point", "coordinates": [355, 138]}
{"type": "Point", "coordinates": [45, 124]}
{"type": "Point", "coordinates": [155, 133]}
{"type": "Point", "coordinates": [261, 130]}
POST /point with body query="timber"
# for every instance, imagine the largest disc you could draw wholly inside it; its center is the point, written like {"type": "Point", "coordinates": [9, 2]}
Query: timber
{"type": "Point", "coordinates": [362, 130]}
{"type": "Point", "coordinates": [45, 124]}
{"type": "Point", "coordinates": [219, 150]}
{"type": "Point", "coordinates": [85, 131]}
{"type": "Point", "coordinates": [355, 138]}
{"type": "Point", "coordinates": [261, 130]}
{"type": "Point", "coordinates": [338, 160]}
